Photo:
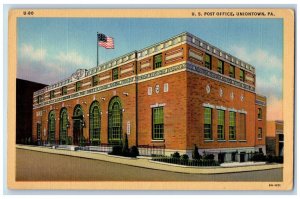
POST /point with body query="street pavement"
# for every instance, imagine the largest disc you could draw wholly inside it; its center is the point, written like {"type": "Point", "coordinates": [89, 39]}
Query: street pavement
{"type": "Point", "coordinates": [39, 166]}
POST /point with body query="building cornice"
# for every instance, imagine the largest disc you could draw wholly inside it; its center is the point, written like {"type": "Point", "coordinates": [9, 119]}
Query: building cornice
{"type": "Point", "coordinates": [156, 48]}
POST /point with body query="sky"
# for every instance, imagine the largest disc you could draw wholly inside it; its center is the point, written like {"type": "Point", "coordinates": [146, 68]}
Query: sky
{"type": "Point", "coordinates": [51, 49]}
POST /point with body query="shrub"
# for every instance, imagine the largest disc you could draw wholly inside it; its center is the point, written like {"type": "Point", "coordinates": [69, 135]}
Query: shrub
{"type": "Point", "coordinates": [196, 155]}
{"type": "Point", "coordinates": [259, 157]}
{"type": "Point", "coordinates": [175, 155]}
{"type": "Point", "coordinates": [277, 159]}
{"type": "Point", "coordinates": [82, 141]}
{"type": "Point", "coordinates": [116, 150]}
{"type": "Point", "coordinates": [69, 140]}
{"type": "Point", "coordinates": [209, 157]}
{"type": "Point", "coordinates": [134, 151]}
{"type": "Point", "coordinates": [184, 157]}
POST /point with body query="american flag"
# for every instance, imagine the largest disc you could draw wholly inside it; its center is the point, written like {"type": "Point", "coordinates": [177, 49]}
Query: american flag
{"type": "Point", "coordinates": [105, 41]}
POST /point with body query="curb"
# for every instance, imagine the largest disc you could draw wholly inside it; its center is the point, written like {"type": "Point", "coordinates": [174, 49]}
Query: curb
{"type": "Point", "coordinates": [149, 164]}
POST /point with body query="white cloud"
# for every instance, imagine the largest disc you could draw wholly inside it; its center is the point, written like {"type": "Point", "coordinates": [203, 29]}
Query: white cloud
{"type": "Point", "coordinates": [28, 52]}
{"type": "Point", "coordinates": [38, 65]}
{"type": "Point", "coordinates": [73, 58]}
{"type": "Point", "coordinates": [257, 57]}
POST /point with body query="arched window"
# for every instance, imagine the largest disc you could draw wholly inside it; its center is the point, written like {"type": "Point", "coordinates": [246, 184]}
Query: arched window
{"type": "Point", "coordinates": [95, 123]}
{"type": "Point", "coordinates": [63, 125]}
{"type": "Point", "coordinates": [115, 121]}
{"type": "Point", "coordinates": [51, 127]}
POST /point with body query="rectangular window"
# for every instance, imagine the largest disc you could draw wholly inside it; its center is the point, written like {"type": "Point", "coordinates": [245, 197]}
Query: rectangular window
{"type": "Point", "coordinates": [207, 61]}
{"type": "Point", "coordinates": [158, 123]}
{"type": "Point", "coordinates": [207, 124]}
{"type": "Point", "coordinates": [220, 66]}
{"type": "Point", "coordinates": [157, 61]}
{"type": "Point", "coordinates": [94, 80]}
{"type": "Point", "coordinates": [39, 99]}
{"type": "Point", "coordinates": [51, 94]}
{"type": "Point", "coordinates": [259, 135]}
{"type": "Point", "coordinates": [242, 75]}
{"type": "Point", "coordinates": [221, 122]}
{"type": "Point", "coordinates": [78, 84]}
{"type": "Point", "coordinates": [232, 131]}
{"type": "Point", "coordinates": [232, 71]}
{"type": "Point", "coordinates": [242, 126]}
{"type": "Point", "coordinates": [64, 90]}
{"type": "Point", "coordinates": [259, 115]}
{"type": "Point", "coordinates": [115, 74]}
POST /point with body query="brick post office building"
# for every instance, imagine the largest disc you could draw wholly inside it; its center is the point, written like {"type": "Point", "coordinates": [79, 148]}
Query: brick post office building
{"type": "Point", "coordinates": [177, 93]}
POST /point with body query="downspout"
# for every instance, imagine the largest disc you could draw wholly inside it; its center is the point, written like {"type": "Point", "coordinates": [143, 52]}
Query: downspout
{"type": "Point", "coordinates": [136, 103]}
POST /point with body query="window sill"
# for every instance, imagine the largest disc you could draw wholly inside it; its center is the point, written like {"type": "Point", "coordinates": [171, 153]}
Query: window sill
{"type": "Point", "coordinates": [221, 140]}
{"type": "Point", "coordinates": [232, 140]}
{"type": "Point", "coordinates": [208, 140]}
{"type": "Point", "coordinates": [242, 140]}
{"type": "Point", "coordinates": [259, 138]}
{"type": "Point", "coordinates": [259, 119]}
{"type": "Point", "coordinates": [158, 140]}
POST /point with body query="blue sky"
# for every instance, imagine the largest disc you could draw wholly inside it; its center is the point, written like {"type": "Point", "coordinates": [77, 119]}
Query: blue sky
{"type": "Point", "coordinates": [51, 49]}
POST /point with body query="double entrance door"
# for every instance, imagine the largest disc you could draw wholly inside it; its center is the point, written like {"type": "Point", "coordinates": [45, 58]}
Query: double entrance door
{"type": "Point", "coordinates": [77, 129]}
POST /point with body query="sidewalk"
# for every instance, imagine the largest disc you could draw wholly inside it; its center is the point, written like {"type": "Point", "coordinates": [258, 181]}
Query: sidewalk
{"type": "Point", "coordinates": [145, 162]}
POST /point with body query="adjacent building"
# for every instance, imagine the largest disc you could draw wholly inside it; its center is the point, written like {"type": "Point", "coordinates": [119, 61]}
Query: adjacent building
{"type": "Point", "coordinates": [275, 138]}
{"type": "Point", "coordinates": [177, 93]}
{"type": "Point", "coordinates": [24, 100]}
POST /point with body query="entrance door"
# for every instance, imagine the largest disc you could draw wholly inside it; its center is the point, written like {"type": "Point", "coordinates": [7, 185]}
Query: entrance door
{"type": "Point", "coordinates": [77, 124]}
{"type": "Point", "coordinates": [76, 131]}
{"type": "Point", "coordinates": [221, 157]}
{"type": "Point", "coordinates": [242, 157]}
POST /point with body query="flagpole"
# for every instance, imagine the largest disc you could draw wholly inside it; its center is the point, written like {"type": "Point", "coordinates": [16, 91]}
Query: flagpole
{"type": "Point", "coordinates": [97, 49]}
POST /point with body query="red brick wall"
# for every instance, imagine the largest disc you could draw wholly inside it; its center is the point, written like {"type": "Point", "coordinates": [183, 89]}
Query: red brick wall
{"type": "Point", "coordinates": [197, 95]}
{"type": "Point", "coordinates": [128, 104]}
{"type": "Point", "coordinates": [261, 123]}
{"type": "Point", "coordinates": [174, 110]}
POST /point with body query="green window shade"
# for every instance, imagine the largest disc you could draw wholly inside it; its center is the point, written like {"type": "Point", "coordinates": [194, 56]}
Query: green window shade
{"type": "Point", "coordinates": [78, 84]}
{"type": "Point", "coordinates": [207, 124]}
{"type": "Point", "coordinates": [232, 71]}
{"type": "Point", "coordinates": [95, 123]}
{"type": "Point", "coordinates": [207, 115]}
{"type": "Point", "coordinates": [51, 128]}
{"type": "Point", "coordinates": [242, 75]}
{"type": "Point", "coordinates": [208, 61]}
{"type": "Point", "coordinates": [64, 90]}
{"type": "Point", "coordinates": [157, 61]}
{"type": "Point", "coordinates": [96, 117]}
{"type": "Point", "coordinates": [51, 94]}
{"type": "Point", "coordinates": [221, 115]}
{"type": "Point", "coordinates": [64, 121]}
{"type": "Point", "coordinates": [39, 99]}
{"type": "Point", "coordinates": [220, 66]}
{"type": "Point", "coordinates": [115, 121]}
{"type": "Point", "coordinates": [115, 74]}
{"type": "Point", "coordinates": [232, 127]}
{"type": "Point", "coordinates": [158, 123]}
{"type": "Point", "coordinates": [95, 80]}
{"type": "Point", "coordinates": [63, 126]}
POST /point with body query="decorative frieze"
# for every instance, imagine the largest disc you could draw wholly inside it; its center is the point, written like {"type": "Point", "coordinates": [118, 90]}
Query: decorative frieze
{"type": "Point", "coordinates": [261, 103]}
{"type": "Point", "coordinates": [217, 76]}
{"type": "Point", "coordinates": [88, 91]}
